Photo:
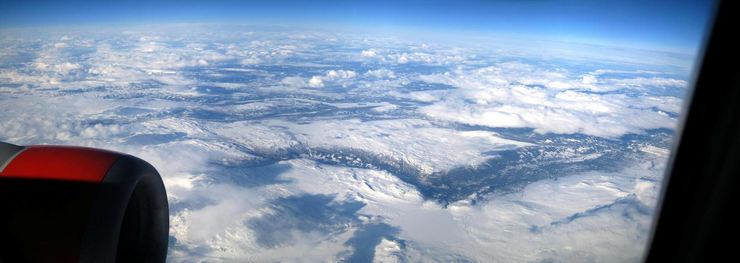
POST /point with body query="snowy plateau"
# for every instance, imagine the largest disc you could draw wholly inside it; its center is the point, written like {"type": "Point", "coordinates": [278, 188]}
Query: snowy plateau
{"type": "Point", "coordinates": [278, 144]}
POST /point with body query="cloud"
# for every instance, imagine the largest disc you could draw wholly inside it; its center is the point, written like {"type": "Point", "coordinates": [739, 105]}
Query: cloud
{"type": "Point", "coordinates": [651, 82]}
{"type": "Point", "coordinates": [316, 82]}
{"type": "Point", "coordinates": [368, 53]}
{"type": "Point", "coordinates": [258, 167]}
{"type": "Point", "coordinates": [525, 96]}
{"type": "Point", "coordinates": [62, 68]}
{"type": "Point", "coordinates": [340, 74]}
{"type": "Point", "coordinates": [437, 57]}
{"type": "Point", "coordinates": [403, 59]}
{"type": "Point", "coordinates": [295, 81]}
{"type": "Point", "coordinates": [381, 73]}
{"type": "Point", "coordinates": [335, 76]}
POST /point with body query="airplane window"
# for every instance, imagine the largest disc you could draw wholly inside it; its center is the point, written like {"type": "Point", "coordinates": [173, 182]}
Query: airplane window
{"type": "Point", "coordinates": [502, 131]}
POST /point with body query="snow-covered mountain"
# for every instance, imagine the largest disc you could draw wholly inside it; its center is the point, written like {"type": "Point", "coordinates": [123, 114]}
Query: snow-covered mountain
{"type": "Point", "coordinates": [286, 145]}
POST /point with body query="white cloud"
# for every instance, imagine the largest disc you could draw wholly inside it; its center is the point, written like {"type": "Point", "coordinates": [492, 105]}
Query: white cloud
{"type": "Point", "coordinates": [589, 79]}
{"type": "Point", "coordinates": [507, 95]}
{"type": "Point", "coordinates": [381, 73]}
{"type": "Point", "coordinates": [336, 76]}
{"type": "Point", "coordinates": [368, 53]}
{"type": "Point", "coordinates": [250, 61]}
{"type": "Point", "coordinates": [150, 47]}
{"type": "Point", "coordinates": [651, 82]}
{"type": "Point", "coordinates": [316, 82]}
{"type": "Point", "coordinates": [63, 68]}
{"type": "Point", "coordinates": [438, 57]}
{"type": "Point", "coordinates": [340, 74]}
{"type": "Point", "coordinates": [294, 81]}
{"type": "Point", "coordinates": [403, 59]}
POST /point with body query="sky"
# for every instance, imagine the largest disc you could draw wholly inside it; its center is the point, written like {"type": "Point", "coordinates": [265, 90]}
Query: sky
{"type": "Point", "coordinates": [677, 25]}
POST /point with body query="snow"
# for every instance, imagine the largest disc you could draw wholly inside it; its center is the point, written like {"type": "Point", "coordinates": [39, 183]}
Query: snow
{"type": "Point", "coordinates": [275, 148]}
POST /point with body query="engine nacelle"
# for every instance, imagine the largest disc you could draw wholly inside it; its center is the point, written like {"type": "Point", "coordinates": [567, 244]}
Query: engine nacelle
{"type": "Point", "coordinates": [75, 204]}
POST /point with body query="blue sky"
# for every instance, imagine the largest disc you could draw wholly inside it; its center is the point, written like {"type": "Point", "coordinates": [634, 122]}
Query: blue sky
{"type": "Point", "coordinates": [670, 25]}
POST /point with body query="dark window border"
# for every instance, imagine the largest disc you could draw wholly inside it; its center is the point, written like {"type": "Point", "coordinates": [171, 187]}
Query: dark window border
{"type": "Point", "coordinates": [697, 221]}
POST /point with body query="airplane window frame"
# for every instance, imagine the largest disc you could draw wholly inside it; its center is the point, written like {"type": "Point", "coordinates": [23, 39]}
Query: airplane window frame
{"type": "Point", "coordinates": [695, 220]}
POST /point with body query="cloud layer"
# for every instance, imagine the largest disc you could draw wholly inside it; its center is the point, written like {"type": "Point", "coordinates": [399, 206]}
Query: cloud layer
{"type": "Point", "coordinates": [284, 145]}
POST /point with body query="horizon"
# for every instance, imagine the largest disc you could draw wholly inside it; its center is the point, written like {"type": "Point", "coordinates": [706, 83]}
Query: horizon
{"type": "Point", "coordinates": [653, 25]}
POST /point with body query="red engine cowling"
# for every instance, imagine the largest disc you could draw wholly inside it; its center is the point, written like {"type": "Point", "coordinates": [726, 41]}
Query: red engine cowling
{"type": "Point", "coordinates": [75, 204]}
